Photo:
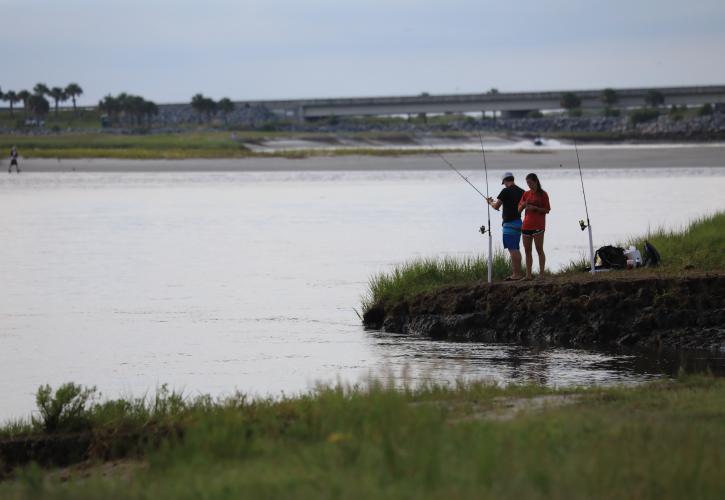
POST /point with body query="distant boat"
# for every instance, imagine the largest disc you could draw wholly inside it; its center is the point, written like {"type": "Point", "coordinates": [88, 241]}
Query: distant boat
{"type": "Point", "coordinates": [538, 141]}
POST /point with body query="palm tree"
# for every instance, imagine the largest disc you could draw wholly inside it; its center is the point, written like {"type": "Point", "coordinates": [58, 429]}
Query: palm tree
{"type": "Point", "coordinates": [226, 106]}
{"type": "Point", "coordinates": [654, 98]}
{"type": "Point", "coordinates": [111, 106]}
{"type": "Point", "coordinates": [24, 95]}
{"type": "Point", "coordinates": [38, 105]}
{"type": "Point", "coordinates": [41, 89]}
{"type": "Point", "coordinates": [58, 94]}
{"type": "Point", "coordinates": [150, 109]}
{"type": "Point", "coordinates": [570, 100]}
{"type": "Point", "coordinates": [609, 97]}
{"type": "Point", "coordinates": [12, 98]}
{"type": "Point", "coordinates": [73, 90]}
{"type": "Point", "coordinates": [204, 105]}
{"type": "Point", "coordinates": [197, 104]}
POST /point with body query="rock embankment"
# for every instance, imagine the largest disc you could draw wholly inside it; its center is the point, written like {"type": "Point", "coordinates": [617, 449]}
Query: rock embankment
{"type": "Point", "coordinates": [644, 311]}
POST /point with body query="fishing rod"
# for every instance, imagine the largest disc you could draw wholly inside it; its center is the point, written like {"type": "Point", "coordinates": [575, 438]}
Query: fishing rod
{"type": "Point", "coordinates": [462, 176]}
{"type": "Point", "coordinates": [488, 211]}
{"type": "Point", "coordinates": [588, 224]}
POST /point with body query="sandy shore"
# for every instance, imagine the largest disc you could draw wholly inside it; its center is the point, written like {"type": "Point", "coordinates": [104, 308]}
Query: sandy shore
{"type": "Point", "coordinates": [602, 157]}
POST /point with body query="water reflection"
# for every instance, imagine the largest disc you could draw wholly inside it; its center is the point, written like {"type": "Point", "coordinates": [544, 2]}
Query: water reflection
{"type": "Point", "coordinates": [444, 361]}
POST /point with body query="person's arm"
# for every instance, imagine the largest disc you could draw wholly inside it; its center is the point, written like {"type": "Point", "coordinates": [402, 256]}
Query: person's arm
{"type": "Point", "coordinates": [542, 210]}
{"type": "Point", "coordinates": [495, 204]}
{"type": "Point", "coordinates": [523, 205]}
{"type": "Point", "coordinates": [547, 206]}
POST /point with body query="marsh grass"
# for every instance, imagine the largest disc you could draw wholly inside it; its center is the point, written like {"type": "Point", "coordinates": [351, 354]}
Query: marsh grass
{"type": "Point", "coordinates": [161, 146]}
{"type": "Point", "coordinates": [699, 246]}
{"type": "Point", "coordinates": [182, 145]}
{"type": "Point", "coordinates": [376, 440]}
{"type": "Point", "coordinates": [420, 275]}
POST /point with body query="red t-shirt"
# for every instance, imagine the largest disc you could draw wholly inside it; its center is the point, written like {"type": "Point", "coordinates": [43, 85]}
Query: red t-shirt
{"type": "Point", "coordinates": [535, 220]}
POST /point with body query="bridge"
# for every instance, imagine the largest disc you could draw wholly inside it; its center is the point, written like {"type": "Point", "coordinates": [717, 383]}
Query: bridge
{"type": "Point", "coordinates": [502, 103]}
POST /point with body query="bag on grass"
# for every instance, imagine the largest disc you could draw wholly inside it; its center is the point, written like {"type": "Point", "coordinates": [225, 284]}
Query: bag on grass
{"type": "Point", "coordinates": [651, 255]}
{"type": "Point", "coordinates": [612, 257]}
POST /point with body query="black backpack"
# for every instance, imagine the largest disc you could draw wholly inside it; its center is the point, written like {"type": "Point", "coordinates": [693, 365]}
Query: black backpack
{"type": "Point", "coordinates": [612, 257]}
{"type": "Point", "coordinates": [651, 255]}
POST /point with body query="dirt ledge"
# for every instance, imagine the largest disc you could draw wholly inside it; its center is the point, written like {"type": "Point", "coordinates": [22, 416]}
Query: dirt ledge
{"type": "Point", "coordinates": [641, 310]}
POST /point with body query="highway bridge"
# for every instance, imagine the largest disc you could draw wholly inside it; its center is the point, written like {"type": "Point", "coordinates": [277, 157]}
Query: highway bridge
{"type": "Point", "coordinates": [501, 103]}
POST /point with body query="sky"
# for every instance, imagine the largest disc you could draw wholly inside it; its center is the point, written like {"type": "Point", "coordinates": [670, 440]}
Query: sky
{"type": "Point", "coordinates": [168, 50]}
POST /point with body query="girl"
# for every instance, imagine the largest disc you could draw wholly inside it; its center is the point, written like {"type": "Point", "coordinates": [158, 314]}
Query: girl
{"type": "Point", "coordinates": [536, 203]}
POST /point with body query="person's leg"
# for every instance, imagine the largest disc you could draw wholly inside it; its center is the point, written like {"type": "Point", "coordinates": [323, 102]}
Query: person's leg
{"type": "Point", "coordinates": [516, 263]}
{"type": "Point", "coordinates": [539, 242]}
{"type": "Point", "coordinates": [529, 258]}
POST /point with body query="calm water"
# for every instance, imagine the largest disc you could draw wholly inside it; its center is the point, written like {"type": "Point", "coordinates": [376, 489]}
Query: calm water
{"type": "Point", "coordinates": [220, 281]}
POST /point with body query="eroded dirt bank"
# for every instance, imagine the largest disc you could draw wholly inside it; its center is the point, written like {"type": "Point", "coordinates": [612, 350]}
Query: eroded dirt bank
{"type": "Point", "coordinates": [648, 311]}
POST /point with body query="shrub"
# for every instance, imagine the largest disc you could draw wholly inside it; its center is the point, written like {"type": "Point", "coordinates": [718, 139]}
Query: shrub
{"type": "Point", "coordinates": [654, 98]}
{"type": "Point", "coordinates": [570, 100]}
{"type": "Point", "coordinates": [611, 112]}
{"type": "Point", "coordinates": [535, 114]}
{"type": "Point", "coordinates": [609, 97]}
{"type": "Point", "coordinates": [705, 110]}
{"type": "Point", "coordinates": [64, 411]}
{"type": "Point", "coordinates": [643, 115]}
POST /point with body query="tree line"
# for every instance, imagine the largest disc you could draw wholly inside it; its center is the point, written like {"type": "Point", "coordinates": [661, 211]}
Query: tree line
{"type": "Point", "coordinates": [128, 109]}
{"type": "Point", "coordinates": [609, 97]}
{"type": "Point", "coordinates": [35, 102]}
{"type": "Point", "coordinates": [207, 107]}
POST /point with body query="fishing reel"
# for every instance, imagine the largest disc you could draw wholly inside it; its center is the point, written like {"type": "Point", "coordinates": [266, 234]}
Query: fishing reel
{"type": "Point", "coordinates": [482, 230]}
{"type": "Point", "coordinates": [583, 224]}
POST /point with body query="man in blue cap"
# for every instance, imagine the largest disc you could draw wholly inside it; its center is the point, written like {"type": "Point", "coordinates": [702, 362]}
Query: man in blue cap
{"type": "Point", "coordinates": [509, 198]}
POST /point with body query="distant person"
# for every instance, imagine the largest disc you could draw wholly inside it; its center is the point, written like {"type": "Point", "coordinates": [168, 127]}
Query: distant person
{"type": "Point", "coordinates": [509, 198]}
{"type": "Point", "coordinates": [536, 203]}
{"type": "Point", "coordinates": [13, 160]}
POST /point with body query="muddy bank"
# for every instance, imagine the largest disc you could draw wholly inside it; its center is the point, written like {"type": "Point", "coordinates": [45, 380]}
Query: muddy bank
{"type": "Point", "coordinates": [646, 311]}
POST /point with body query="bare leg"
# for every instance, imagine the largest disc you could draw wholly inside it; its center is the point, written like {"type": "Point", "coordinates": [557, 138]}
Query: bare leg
{"type": "Point", "coordinates": [539, 242]}
{"type": "Point", "coordinates": [529, 257]}
{"type": "Point", "coordinates": [516, 263]}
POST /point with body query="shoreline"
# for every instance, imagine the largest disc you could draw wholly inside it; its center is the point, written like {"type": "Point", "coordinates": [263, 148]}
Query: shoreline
{"type": "Point", "coordinates": [614, 157]}
{"type": "Point", "coordinates": [648, 311]}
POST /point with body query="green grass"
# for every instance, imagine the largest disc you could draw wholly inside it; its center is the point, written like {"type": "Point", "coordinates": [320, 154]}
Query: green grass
{"type": "Point", "coordinates": [699, 246]}
{"type": "Point", "coordinates": [83, 119]}
{"type": "Point", "coordinates": [661, 440]}
{"type": "Point", "coordinates": [182, 145]}
{"type": "Point", "coordinates": [421, 275]}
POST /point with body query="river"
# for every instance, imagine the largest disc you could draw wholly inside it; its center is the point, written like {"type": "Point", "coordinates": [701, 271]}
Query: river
{"type": "Point", "coordinates": [218, 281]}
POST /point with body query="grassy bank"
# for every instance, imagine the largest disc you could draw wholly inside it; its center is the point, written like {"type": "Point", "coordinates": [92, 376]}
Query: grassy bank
{"type": "Point", "coordinates": [697, 247]}
{"type": "Point", "coordinates": [188, 145]}
{"type": "Point", "coordinates": [159, 146]}
{"type": "Point", "coordinates": [420, 275]}
{"type": "Point", "coordinates": [661, 440]}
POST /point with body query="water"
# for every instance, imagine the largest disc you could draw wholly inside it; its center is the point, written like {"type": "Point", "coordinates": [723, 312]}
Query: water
{"type": "Point", "coordinates": [220, 281]}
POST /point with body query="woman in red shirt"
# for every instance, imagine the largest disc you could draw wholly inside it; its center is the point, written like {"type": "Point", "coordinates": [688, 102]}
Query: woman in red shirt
{"type": "Point", "coordinates": [536, 203]}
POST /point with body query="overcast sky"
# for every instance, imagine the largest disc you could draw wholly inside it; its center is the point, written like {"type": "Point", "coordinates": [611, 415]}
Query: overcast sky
{"type": "Point", "coordinates": [168, 50]}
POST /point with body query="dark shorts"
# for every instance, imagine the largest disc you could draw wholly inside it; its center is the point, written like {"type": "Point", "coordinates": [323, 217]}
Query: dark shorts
{"type": "Point", "coordinates": [13, 161]}
{"type": "Point", "coordinates": [532, 232]}
{"type": "Point", "coordinates": [511, 235]}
